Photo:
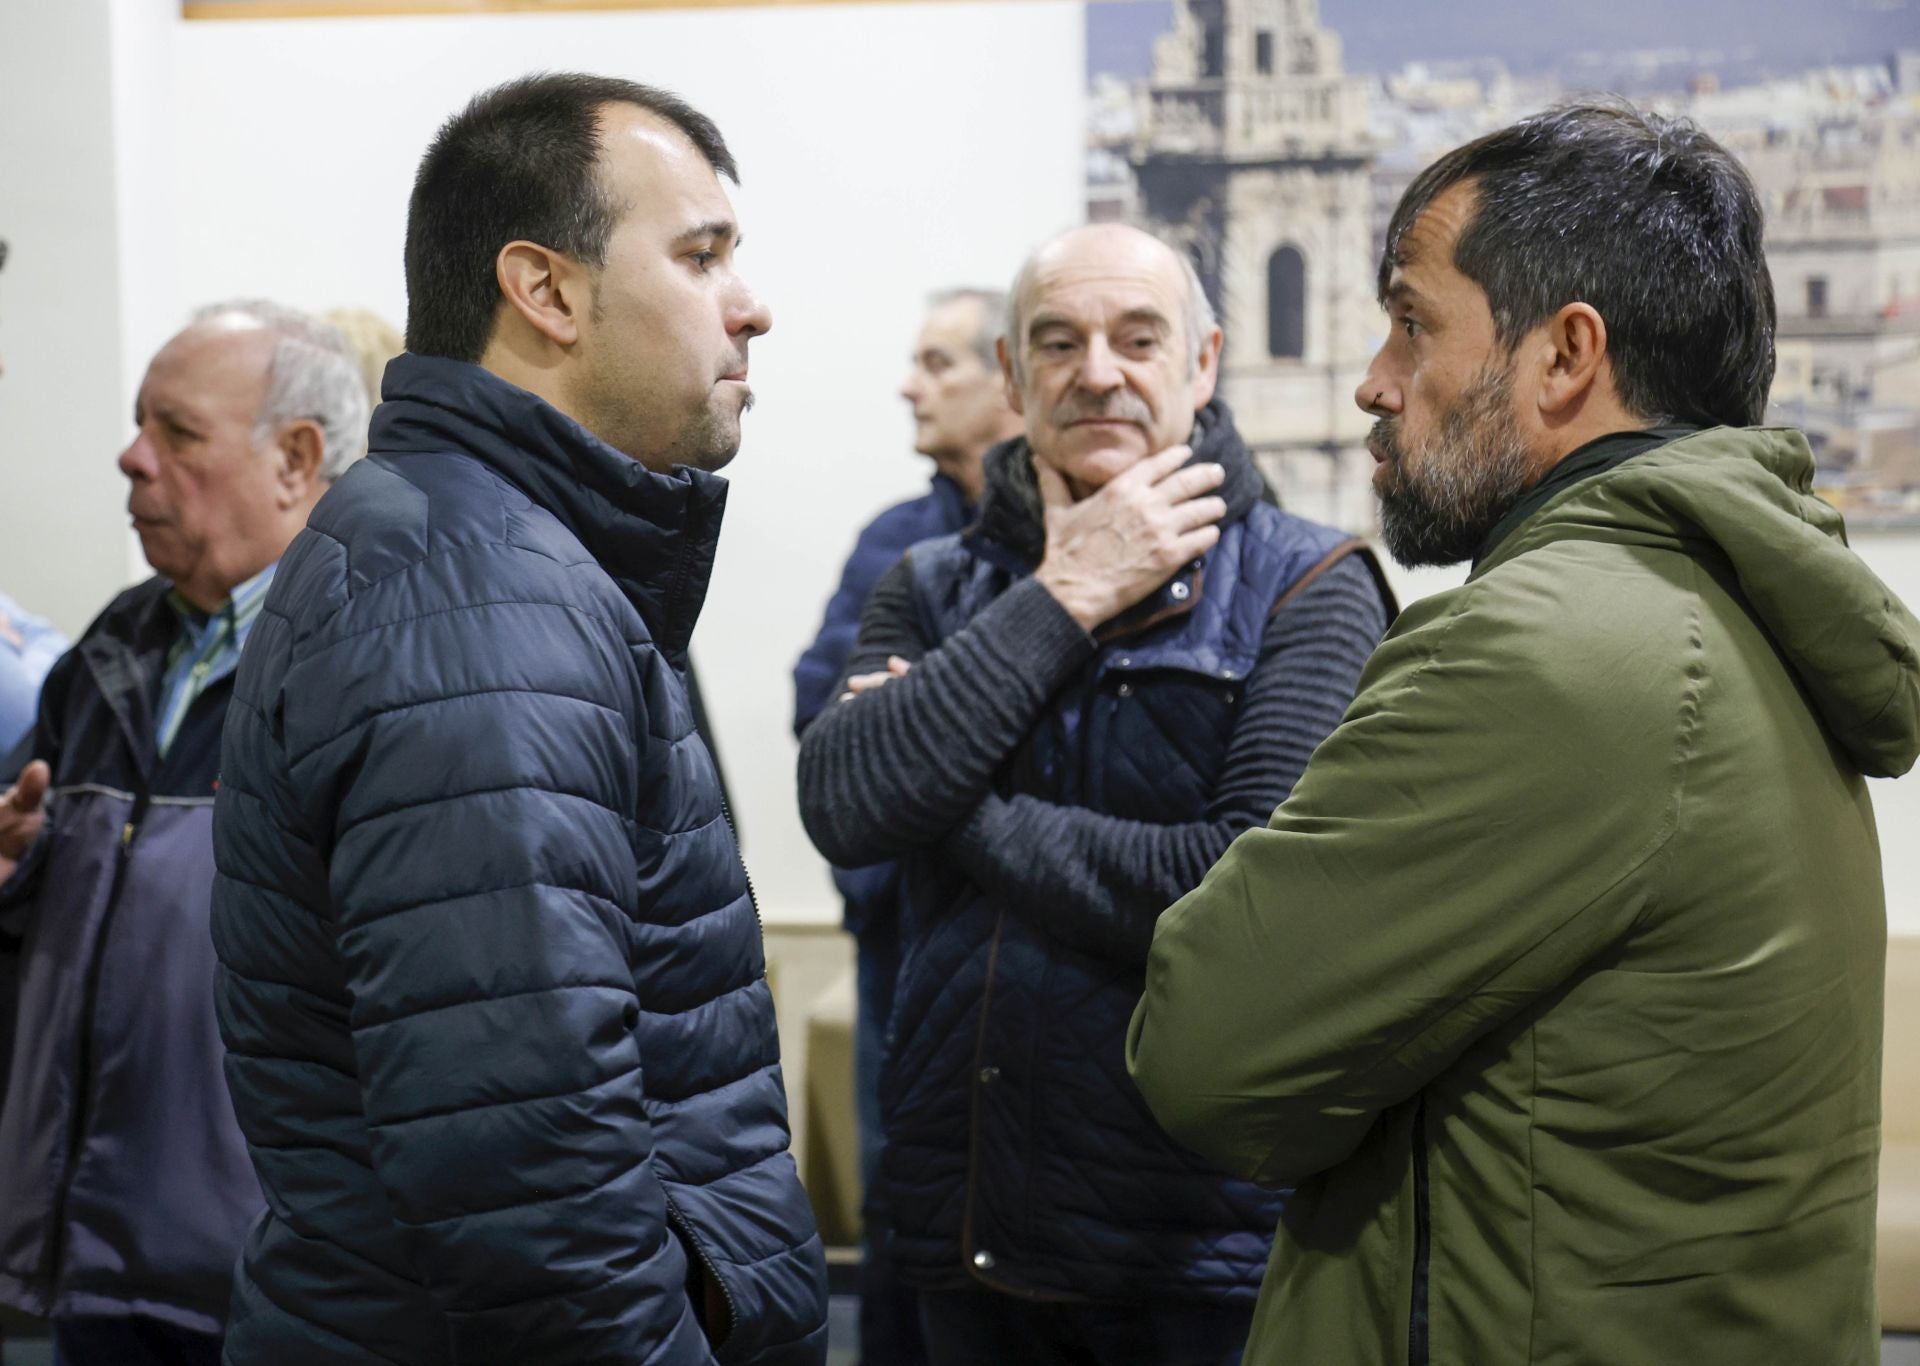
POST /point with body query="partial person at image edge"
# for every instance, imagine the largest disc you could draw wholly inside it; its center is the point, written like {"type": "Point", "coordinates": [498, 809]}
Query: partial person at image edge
{"type": "Point", "coordinates": [125, 1190]}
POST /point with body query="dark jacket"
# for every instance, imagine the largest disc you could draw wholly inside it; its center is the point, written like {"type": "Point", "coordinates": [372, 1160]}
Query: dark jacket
{"type": "Point", "coordinates": [1556, 984]}
{"type": "Point", "coordinates": [492, 984]}
{"type": "Point", "coordinates": [942, 510]}
{"type": "Point", "coordinates": [1049, 793]}
{"type": "Point", "coordinates": [124, 1183]}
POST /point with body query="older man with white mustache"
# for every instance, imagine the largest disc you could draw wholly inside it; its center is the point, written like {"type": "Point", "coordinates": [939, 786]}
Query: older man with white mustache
{"type": "Point", "coordinates": [1057, 720]}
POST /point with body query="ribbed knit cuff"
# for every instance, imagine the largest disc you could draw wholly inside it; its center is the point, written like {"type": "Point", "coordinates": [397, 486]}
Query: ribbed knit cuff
{"type": "Point", "coordinates": [1039, 637]}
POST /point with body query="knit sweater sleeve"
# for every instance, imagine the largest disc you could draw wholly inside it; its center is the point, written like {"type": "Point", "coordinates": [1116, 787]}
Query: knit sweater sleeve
{"type": "Point", "coordinates": [1099, 882]}
{"type": "Point", "coordinates": [897, 767]}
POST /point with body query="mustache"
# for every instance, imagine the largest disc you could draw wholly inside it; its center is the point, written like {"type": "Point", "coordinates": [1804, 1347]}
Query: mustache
{"type": "Point", "coordinates": [1122, 405]}
{"type": "Point", "coordinates": [1385, 438]}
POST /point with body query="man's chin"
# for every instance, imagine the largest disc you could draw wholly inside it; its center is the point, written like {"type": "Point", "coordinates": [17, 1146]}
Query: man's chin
{"type": "Point", "coordinates": [1094, 462]}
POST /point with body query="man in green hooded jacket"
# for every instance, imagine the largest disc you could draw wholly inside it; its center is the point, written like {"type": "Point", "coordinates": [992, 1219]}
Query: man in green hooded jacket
{"type": "Point", "coordinates": [1554, 989]}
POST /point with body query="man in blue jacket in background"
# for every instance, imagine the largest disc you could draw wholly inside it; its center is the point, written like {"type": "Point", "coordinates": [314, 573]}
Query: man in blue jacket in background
{"type": "Point", "coordinates": [960, 412]}
{"type": "Point", "coordinates": [492, 983]}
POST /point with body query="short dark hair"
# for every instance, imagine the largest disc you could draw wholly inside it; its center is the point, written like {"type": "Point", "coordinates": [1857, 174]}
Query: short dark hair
{"type": "Point", "coordinates": [1647, 219]}
{"type": "Point", "coordinates": [520, 162]}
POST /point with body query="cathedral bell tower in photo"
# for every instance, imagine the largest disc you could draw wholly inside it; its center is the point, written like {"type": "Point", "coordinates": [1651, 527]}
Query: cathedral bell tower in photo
{"type": "Point", "coordinates": [1251, 152]}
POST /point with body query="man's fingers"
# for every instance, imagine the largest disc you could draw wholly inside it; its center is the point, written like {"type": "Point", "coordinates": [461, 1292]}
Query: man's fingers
{"type": "Point", "coordinates": [1156, 466]}
{"type": "Point", "coordinates": [1198, 512]}
{"type": "Point", "coordinates": [1199, 541]}
{"type": "Point", "coordinates": [860, 683]}
{"type": "Point", "coordinates": [31, 789]}
{"type": "Point", "coordinates": [1054, 492]}
{"type": "Point", "coordinates": [1192, 481]}
{"type": "Point", "coordinates": [897, 666]}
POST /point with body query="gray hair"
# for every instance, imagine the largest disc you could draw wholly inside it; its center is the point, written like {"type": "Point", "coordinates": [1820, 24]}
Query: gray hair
{"type": "Point", "coordinates": [993, 306]}
{"type": "Point", "coordinates": [313, 377]}
{"type": "Point", "coordinates": [1198, 321]}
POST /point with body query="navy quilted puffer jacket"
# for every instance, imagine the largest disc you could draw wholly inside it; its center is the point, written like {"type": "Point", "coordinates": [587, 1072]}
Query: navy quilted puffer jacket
{"type": "Point", "coordinates": [491, 977]}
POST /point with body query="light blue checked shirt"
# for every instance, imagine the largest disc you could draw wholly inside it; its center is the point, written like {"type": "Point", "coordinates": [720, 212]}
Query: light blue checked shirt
{"type": "Point", "coordinates": [208, 650]}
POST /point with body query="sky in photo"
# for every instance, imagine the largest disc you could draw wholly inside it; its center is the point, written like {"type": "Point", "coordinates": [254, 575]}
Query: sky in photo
{"type": "Point", "coordinates": [1383, 35]}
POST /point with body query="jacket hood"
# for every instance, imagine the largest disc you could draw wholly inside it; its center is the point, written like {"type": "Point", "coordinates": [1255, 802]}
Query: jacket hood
{"type": "Point", "coordinates": [1010, 510]}
{"type": "Point", "coordinates": [654, 534]}
{"type": "Point", "coordinates": [1747, 493]}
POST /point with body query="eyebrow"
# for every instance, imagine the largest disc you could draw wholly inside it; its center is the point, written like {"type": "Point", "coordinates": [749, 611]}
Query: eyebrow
{"type": "Point", "coordinates": [1151, 316]}
{"type": "Point", "coordinates": [166, 412]}
{"type": "Point", "coordinates": [1400, 292]}
{"type": "Point", "coordinates": [719, 227]}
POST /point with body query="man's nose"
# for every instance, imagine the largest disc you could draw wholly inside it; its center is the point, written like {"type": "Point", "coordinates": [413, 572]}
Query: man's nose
{"type": "Point", "coordinates": [910, 387]}
{"type": "Point", "coordinates": [137, 460]}
{"type": "Point", "coordinates": [749, 314]}
{"type": "Point", "coordinates": [1100, 368]}
{"type": "Point", "coordinates": [1377, 395]}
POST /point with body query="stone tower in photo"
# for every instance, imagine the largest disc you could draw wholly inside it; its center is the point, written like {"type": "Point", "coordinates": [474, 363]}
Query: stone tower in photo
{"type": "Point", "coordinates": [1250, 151]}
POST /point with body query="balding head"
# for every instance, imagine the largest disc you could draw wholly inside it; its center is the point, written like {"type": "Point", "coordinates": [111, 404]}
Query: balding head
{"type": "Point", "coordinates": [1197, 320]}
{"type": "Point", "coordinates": [236, 441]}
{"type": "Point", "coordinates": [1110, 350]}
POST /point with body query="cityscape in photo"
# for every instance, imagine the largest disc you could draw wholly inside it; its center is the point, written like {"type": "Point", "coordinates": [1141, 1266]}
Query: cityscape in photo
{"type": "Point", "coordinates": [1270, 139]}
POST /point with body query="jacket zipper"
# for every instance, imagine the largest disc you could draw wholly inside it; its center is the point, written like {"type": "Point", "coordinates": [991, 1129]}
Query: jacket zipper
{"type": "Point", "coordinates": [685, 1226]}
{"type": "Point", "coordinates": [1418, 1346]}
{"type": "Point", "coordinates": [745, 872]}
{"type": "Point", "coordinates": [77, 1135]}
{"type": "Point", "coordinates": [967, 1249]}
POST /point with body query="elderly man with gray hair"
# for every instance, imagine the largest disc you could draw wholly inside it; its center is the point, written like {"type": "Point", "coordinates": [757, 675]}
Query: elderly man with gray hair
{"type": "Point", "coordinates": [125, 1187]}
{"type": "Point", "coordinates": [1056, 722]}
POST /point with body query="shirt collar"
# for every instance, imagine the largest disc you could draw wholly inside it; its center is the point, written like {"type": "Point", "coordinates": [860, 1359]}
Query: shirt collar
{"type": "Point", "coordinates": [238, 612]}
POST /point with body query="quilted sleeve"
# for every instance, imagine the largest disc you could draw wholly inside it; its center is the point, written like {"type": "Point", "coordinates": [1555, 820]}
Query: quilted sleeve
{"type": "Point", "coordinates": [467, 760]}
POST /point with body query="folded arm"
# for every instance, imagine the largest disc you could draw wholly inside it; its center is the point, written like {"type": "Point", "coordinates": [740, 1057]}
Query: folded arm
{"type": "Point", "coordinates": [1099, 882]}
{"type": "Point", "coordinates": [898, 766]}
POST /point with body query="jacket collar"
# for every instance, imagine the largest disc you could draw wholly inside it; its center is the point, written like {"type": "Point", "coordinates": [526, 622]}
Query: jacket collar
{"type": "Point", "coordinates": [126, 654]}
{"type": "Point", "coordinates": [1010, 513]}
{"type": "Point", "coordinates": [654, 534]}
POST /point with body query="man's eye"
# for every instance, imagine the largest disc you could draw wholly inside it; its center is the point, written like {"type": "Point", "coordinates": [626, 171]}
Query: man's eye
{"type": "Point", "coordinates": [1408, 325]}
{"type": "Point", "coordinates": [701, 259]}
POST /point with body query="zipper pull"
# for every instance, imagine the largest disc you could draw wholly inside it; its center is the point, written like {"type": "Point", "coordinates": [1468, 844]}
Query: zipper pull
{"type": "Point", "coordinates": [126, 834]}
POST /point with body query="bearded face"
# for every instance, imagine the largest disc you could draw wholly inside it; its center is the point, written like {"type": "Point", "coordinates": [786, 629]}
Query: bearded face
{"type": "Point", "coordinates": [1440, 498]}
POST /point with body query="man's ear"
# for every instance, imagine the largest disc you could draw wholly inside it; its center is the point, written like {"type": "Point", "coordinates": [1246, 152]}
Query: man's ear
{"type": "Point", "coordinates": [1574, 349]}
{"type": "Point", "coordinates": [1006, 376]}
{"type": "Point", "coordinates": [302, 449]}
{"type": "Point", "coordinates": [549, 291]}
{"type": "Point", "coordinates": [1206, 370]}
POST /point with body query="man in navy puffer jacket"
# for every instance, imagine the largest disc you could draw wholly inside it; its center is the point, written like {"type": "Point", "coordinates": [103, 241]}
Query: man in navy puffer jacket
{"type": "Point", "coordinates": [491, 977]}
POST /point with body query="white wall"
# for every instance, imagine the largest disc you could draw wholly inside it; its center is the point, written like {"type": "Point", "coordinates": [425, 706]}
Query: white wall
{"type": "Point", "coordinates": [887, 150]}
{"type": "Point", "coordinates": [64, 398]}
